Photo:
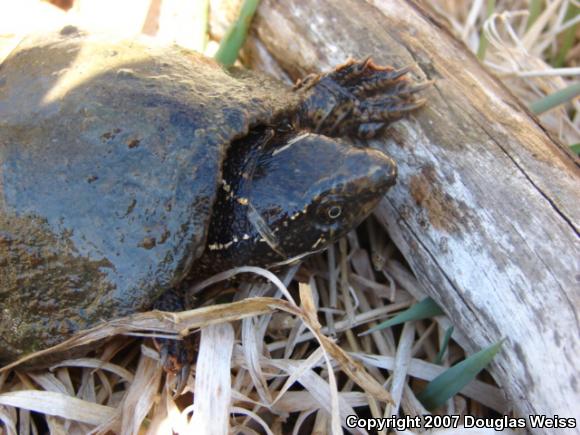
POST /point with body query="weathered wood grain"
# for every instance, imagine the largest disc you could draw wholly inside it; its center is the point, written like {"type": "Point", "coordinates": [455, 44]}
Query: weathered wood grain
{"type": "Point", "coordinates": [486, 208]}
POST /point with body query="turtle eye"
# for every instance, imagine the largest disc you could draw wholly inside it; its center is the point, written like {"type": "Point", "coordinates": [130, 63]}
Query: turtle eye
{"type": "Point", "coordinates": [330, 211]}
{"type": "Point", "coordinates": [334, 211]}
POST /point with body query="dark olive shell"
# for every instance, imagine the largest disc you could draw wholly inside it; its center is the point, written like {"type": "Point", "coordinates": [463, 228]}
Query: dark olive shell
{"type": "Point", "coordinates": [110, 158]}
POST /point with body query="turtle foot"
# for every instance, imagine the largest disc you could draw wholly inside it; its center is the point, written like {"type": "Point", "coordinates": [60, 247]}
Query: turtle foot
{"type": "Point", "coordinates": [358, 98]}
{"type": "Point", "coordinates": [176, 355]}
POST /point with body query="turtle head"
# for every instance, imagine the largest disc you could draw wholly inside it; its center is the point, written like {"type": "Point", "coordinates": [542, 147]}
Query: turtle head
{"type": "Point", "coordinates": [287, 195]}
{"type": "Point", "coordinates": [309, 191]}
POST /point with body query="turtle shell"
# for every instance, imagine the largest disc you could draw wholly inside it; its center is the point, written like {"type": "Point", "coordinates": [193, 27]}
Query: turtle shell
{"type": "Point", "coordinates": [110, 159]}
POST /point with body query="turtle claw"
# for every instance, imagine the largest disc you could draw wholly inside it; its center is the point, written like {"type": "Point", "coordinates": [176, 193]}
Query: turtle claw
{"type": "Point", "coordinates": [358, 98]}
{"type": "Point", "coordinates": [398, 110]}
{"type": "Point", "coordinates": [372, 116]}
{"type": "Point", "coordinates": [175, 356]}
{"type": "Point", "coordinates": [384, 111]}
{"type": "Point", "coordinates": [181, 379]}
{"type": "Point", "coordinates": [387, 80]}
{"type": "Point", "coordinates": [387, 109]}
{"type": "Point", "coordinates": [351, 69]}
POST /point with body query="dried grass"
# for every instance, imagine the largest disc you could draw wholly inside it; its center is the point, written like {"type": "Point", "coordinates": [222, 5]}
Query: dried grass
{"type": "Point", "coordinates": [520, 54]}
{"type": "Point", "coordinates": [262, 360]}
{"type": "Point", "coordinates": [285, 355]}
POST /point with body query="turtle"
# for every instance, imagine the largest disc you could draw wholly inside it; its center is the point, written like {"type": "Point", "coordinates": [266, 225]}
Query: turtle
{"type": "Point", "coordinates": [127, 168]}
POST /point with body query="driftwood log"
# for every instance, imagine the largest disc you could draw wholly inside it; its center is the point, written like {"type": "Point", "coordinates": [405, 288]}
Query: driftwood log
{"type": "Point", "coordinates": [486, 208]}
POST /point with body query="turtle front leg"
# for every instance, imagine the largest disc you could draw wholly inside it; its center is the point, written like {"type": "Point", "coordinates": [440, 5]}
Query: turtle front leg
{"type": "Point", "coordinates": [358, 98]}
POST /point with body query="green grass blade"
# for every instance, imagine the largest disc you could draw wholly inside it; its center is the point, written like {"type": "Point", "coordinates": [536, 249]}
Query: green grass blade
{"type": "Point", "coordinates": [482, 39]}
{"type": "Point", "coordinates": [575, 148]}
{"type": "Point", "coordinates": [236, 35]}
{"type": "Point", "coordinates": [568, 37]}
{"type": "Point", "coordinates": [425, 309]}
{"type": "Point", "coordinates": [534, 10]}
{"type": "Point", "coordinates": [452, 380]}
{"type": "Point", "coordinates": [555, 99]}
{"type": "Point", "coordinates": [444, 345]}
